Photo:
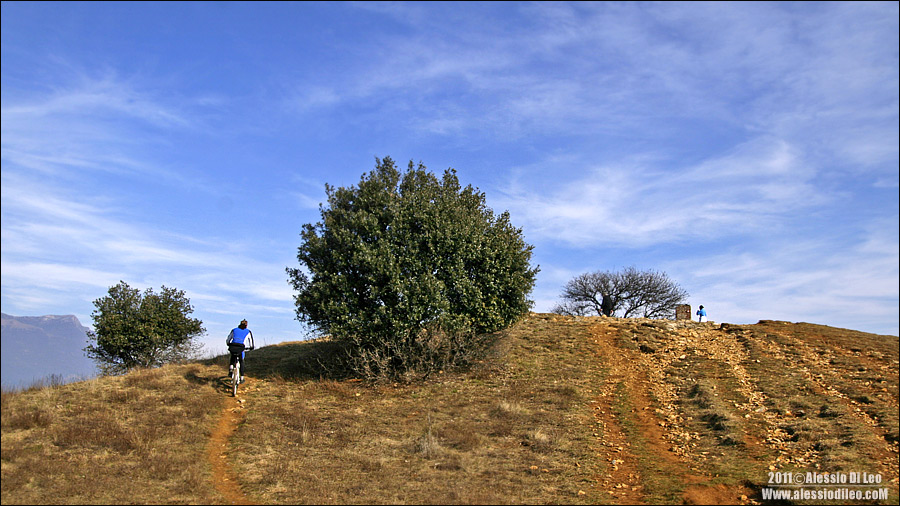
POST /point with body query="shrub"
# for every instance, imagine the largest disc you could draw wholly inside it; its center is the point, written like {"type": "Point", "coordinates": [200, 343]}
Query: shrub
{"type": "Point", "coordinates": [410, 272]}
{"type": "Point", "coordinates": [132, 329]}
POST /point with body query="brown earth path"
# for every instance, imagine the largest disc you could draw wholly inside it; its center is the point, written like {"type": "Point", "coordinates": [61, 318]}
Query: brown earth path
{"type": "Point", "coordinates": [223, 476]}
{"type": "Point", "coordinates": [623, 479]}
{"type": "Point", "coordinates": [631, 372]}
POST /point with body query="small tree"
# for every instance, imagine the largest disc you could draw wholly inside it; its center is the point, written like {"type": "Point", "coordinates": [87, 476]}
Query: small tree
{"type": "Point", "coordinates": [647, 294]}
{"type": "Point", "coordinates": [141, 330]}
{"type": "Point", "coordinates": [410, 271]}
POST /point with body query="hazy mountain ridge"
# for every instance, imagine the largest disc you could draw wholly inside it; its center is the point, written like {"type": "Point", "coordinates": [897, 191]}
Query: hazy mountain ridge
{"type": "Point", "coordinates": [35, 347]}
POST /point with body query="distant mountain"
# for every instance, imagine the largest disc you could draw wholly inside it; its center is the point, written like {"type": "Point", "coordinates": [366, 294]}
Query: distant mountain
{"type": "Point", "coordinates": [35, 347]}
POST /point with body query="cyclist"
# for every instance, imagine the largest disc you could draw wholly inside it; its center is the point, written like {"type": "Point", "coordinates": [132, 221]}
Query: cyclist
{"type": "Point", "coordinates": [239, 339]}
{"type": "Point", "coordinates": [701, 314]}
{"type": "Point", "coordinates": [606, 307]}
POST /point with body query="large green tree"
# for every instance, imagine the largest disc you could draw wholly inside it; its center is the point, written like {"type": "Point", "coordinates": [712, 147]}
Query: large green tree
{"type": "Point", "coordinates": [132, 329]}
{"type": "Point", "coordinates": [411, 271]}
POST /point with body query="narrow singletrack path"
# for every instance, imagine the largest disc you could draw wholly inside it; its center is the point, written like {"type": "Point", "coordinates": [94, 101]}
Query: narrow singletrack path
{"type": "Point", "coordinates": [223, 474]}
{"type": "Point", "coordinates": [623, 479]}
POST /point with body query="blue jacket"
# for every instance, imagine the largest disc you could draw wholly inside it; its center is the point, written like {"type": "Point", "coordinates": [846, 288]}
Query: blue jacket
{"type": "Point", "coordinates": [241, 336]}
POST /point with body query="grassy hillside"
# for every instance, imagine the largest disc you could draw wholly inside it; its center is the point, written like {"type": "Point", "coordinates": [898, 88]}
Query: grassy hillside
{"type": "Point", "coordinates": [568, 410]}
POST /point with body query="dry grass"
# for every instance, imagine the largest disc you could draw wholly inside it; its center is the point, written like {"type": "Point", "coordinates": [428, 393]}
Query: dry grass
{"type": "Point", "coordinates": [138, 438]}
{"type": "Point", "coordinates": [459, 438]}
{"type": "Point", "coordinates": [519, 428]}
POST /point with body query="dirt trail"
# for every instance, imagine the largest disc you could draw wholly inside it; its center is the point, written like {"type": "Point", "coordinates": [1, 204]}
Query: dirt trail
{"type": "Point", "coordinates": [624, 480]}
{"type": "Point", "coordinates": [224, 478]}
{"type": "Point", "coordinates": [636, 376]}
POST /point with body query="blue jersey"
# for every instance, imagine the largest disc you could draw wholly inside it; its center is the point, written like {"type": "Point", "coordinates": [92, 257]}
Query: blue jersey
{"type": "Point", "coordinates": [701, 312]}
{"type": "Point", "coordinates": [240, 336]}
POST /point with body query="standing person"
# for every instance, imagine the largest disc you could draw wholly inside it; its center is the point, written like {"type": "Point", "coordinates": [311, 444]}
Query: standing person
{"type": "Point", "coordinates": [606, 305]}
{"type": "Point", "coordinates": [239, 339]}
{"type": "Point", "coordinates": [701, 313]}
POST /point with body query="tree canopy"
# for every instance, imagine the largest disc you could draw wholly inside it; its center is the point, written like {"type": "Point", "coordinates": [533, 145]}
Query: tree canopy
{"type": "Point", "coordinates": [635, 293]}
{"type": "Point", "coordinates": [132, 329]}
{"type": "Point", "coordinates": [408, 269]}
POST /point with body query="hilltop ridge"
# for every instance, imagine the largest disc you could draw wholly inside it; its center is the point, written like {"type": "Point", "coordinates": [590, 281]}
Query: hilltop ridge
{"type": "Point", "coordinates": [567, 410]}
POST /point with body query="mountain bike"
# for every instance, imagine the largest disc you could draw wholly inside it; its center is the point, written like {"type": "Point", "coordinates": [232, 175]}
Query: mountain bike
{"type": "Point", "coordinates": [235, 378]}
{"type": "Point", "coordinates": [236, 350]}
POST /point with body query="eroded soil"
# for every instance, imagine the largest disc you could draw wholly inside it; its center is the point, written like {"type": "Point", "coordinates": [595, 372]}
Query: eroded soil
{"type": "Point", "coordinates": [220, 457]}
{"type": "Point", "coordinates": [706, 409]}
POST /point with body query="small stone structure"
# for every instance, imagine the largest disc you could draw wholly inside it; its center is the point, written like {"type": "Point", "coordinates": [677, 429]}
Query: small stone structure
{"type": "Point", "coordinates": [683, 312]}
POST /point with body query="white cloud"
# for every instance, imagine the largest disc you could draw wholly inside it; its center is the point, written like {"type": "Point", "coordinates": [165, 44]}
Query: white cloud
{"type": "Point", "coordinates": [820, 280]}
{"type": "Point", "coordinates": [638, 204]}
{"type": "Point", "coordinates": [651, 127]}
{"type": "Point", "coordinates": [306, 201]}
{"type": "Point", "coordinates": [795, 73]}
{"type": "Point", "coordinates": [61, 251]}
{"type": "Point", "coordinates": [47, 276]}
{"type": "Point", "coordinates": [89, 127]}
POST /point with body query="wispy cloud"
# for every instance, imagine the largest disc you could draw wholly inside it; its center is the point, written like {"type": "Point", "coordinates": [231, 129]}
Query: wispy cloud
{"type": "Point", "coordinates": [313, 192]}
{"type": "Point", "coordinates": [588, 70]}
{"type": "Point", "coordinates": [639, 204]}
{"type": "Point", "coordinates": [749, 141]}
{"type": "Point", "coordinates": [49, 224]}
{"type": "Point", "coordinates": [68, 237]}
{"type": "Point", "coordinates": [826, 280]}
{"type": "Point", "coordinates": [93, 126]}
{"type": "Point", "coordinates": [55, 276]}
{"type": "Point", "coordinates": [66, 249]}
{"type": "Point", "coordinates": [106, 97]}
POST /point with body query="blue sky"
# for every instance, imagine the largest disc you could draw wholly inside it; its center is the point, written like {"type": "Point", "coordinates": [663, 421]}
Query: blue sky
{"type": "Point", "coordinates": [748, 150]}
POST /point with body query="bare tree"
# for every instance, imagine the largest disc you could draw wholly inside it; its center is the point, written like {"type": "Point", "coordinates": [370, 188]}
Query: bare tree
{"type": "Point", "coordinates": [635, 293]}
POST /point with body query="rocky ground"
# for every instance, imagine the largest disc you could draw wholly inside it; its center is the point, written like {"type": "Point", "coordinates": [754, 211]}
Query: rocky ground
{"type": "Point", "coordinates": [718, 407]}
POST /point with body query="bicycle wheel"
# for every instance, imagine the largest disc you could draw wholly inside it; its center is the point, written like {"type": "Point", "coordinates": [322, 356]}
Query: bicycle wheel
{"type": "Point", "coordinates": [235, 378]}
